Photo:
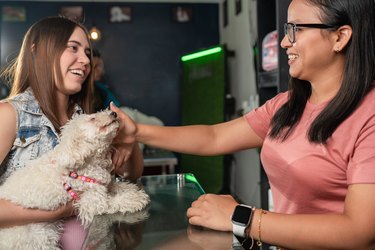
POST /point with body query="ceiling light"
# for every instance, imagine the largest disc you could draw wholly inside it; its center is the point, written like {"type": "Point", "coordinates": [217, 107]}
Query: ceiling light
{"type": "Point", "coordinates": [95, 34]}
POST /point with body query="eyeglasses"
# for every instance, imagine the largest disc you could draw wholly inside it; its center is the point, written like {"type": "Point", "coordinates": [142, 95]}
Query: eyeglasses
{"type": "Point", "coordinates": [290, 29]}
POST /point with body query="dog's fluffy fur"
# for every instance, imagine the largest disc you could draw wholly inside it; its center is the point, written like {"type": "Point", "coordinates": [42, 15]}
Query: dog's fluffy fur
{"type": "Point", "coordinates": [84, 148]}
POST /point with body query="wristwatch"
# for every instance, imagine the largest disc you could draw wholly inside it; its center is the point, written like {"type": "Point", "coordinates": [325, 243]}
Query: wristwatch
{"type": "Point", "coordinates": [241, 218]}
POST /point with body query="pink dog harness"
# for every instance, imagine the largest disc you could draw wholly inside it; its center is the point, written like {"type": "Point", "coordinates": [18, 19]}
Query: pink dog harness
{"type": "Point", "coordinates": [83, 178]}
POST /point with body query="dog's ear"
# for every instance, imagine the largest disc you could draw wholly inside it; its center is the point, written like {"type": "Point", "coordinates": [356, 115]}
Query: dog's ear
{"type": "Point", "coordinates": [70, 162]}
{"type": "Point", "coordinates": [75, 153]}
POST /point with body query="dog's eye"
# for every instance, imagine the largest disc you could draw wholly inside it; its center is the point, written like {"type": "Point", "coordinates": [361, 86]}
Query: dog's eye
{"type": "Point", "coordinates": [92, 118]}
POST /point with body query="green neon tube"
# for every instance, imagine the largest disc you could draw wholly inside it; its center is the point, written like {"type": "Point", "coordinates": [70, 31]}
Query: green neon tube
{"type": "Point", "coordinates": [201, 53]}
{"type": "Point", "coordinates": [191, 178]}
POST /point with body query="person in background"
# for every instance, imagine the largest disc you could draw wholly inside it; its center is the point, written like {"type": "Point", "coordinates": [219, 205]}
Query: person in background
{"type": "Point", "coordinates": [4, 90]}
{"type": "Point", "coordinates": [104, 96]}
{"type": "Point", "coordinates": [317, 139]}
{"type": "Point", "coordinates": [51, 82]}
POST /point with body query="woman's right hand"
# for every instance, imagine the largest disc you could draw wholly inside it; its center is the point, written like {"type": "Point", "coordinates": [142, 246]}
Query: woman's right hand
{"type": "Point", "coordinates": [66, 210]}
{"type": "Point", "coordinates": [15, 215]}
{"type": "Point", "coordinates": [212, 211]}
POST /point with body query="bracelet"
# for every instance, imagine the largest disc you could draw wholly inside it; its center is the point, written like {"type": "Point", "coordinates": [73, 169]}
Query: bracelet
{"type": "Point", "coordinates": [259, 241]}
{"type": "Point", "coordinates": [250, 221]}
{"type": "Point", "coordinates": [248, 235]}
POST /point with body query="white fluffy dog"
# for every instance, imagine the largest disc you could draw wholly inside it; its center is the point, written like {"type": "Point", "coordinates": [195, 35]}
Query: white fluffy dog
{"type": "Point", "coordinates": [79, 168]}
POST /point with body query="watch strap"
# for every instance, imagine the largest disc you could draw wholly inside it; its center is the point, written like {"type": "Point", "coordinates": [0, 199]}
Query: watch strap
{"type": "Point", "coordinates": [240, 230]}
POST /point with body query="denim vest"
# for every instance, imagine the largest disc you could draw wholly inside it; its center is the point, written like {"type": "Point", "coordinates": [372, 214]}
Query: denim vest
{"type": "Point", "coordinates": [35, 133]}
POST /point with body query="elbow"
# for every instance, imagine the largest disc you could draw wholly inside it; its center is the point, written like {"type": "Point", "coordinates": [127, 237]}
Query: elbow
{"type": "Point", "coordinates": [363, 240]}
{"type": "Point", "coordinates": [362, 245]}
{"type": "Point", "coordinates": [368, 243]}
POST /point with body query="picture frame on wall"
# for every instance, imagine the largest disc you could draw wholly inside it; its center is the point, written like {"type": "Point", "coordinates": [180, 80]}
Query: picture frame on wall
{"type": "Point", "coordinates": [238, 6]}
{"type": "Point", "coordinates": [73, 12]}
{"type": "Point", "coordinates": [181, 14]}
{"type": "Point", "coordinates": [13, 14]}
{"type": "Point", "coordinates": [120, 14]}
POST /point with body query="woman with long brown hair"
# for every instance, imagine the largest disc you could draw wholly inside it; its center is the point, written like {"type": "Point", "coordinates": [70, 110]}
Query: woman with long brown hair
{"type": "Point", "coordinates": [51, 82]}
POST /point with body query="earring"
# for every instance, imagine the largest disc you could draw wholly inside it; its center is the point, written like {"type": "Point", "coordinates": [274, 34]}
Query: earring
{"type": "Point", "coordinates": [337, 50]}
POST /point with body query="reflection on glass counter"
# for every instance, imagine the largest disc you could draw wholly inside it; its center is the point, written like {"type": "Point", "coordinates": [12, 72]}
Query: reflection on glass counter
{"type": "Point", "coordinates": [162, 225]}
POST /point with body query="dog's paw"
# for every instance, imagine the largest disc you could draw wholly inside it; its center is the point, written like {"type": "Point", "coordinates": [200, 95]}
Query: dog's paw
{"type": "Point", "coordinates": [90, 204]}
{"type": "Point", "coordinates": [127, 198]}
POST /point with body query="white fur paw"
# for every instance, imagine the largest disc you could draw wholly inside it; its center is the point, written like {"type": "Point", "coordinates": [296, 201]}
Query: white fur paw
{"type": "Point", "coordinates": [90, 204]}
{"type": "Point", "coordinates": [127, 198]}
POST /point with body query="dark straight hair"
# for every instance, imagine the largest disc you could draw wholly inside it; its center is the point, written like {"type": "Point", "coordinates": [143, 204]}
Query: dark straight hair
{"type": "Point", "coordinates": [357, 78]}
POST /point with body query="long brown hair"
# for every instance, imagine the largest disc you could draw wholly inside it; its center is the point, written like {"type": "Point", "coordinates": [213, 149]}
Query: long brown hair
{"type": "Point", "coordinates": [39, 61]}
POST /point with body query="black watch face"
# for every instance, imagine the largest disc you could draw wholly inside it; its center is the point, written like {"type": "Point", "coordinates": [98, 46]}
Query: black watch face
{"type": "Point", "coordinates": [241, 214]}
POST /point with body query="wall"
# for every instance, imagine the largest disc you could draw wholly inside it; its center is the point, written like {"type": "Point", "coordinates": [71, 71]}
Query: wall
{"type": "Point", "coordinates": [240, 36]}
{"type": "Point", "coordinates": [142, 56]}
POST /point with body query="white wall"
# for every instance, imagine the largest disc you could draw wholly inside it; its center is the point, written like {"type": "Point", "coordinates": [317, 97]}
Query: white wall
{"type": "Point", "coordinates": [239, 35]}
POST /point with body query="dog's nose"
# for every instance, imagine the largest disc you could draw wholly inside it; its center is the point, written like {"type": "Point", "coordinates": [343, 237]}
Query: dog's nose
{"type": "Point", "coordinates": [114, 114]}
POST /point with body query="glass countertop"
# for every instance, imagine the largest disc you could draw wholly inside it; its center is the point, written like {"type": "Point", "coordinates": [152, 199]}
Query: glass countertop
{"type": "Point", "coordinates": [162, 224]}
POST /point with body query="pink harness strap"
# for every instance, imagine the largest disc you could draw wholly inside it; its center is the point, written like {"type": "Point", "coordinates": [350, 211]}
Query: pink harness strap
{"type": "Point", "coordinates": [83, 178]}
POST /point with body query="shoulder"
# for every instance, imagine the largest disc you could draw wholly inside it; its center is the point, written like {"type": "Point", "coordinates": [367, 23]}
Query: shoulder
{"type": "Point", "coordinates": [25, 101]}
{"type": "Point", "coordinates": [260, 118]}
{"type": "Point", "coordinates": [279, 99]}
{"type": "Point", "coordinates": [272, 105]}
{"type": "Point", "coordinates": [8, 128]}
{"type": "Point", "coordinates": [7, 110]}
{"type": "Point", "coordinates": [8, 116]}
{"type": "Point", "coordinates": [370, 97]}
{"type": "Point", "coordinates": [368, 103]}
{"type": "Point", "coordinates": [363, 117]}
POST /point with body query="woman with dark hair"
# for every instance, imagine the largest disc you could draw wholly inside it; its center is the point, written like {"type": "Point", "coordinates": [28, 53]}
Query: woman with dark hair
{"type": "Point", "coordinates": [51, 82]}
{"type": "Point", "coordinates": [317, 139]}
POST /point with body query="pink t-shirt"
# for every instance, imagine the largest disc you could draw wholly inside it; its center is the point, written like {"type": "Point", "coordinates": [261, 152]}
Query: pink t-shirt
{"type": "Point", "coordinates": [314, 178]}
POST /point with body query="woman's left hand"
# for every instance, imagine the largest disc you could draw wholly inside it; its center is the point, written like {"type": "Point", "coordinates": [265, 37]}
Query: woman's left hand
{"type": "Point", "coordinates": [212, 211]}
{"type": "Point", "coordinates": [120, 155]}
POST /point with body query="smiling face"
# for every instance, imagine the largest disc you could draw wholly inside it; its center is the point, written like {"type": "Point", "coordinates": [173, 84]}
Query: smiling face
{"type": "Point", "coordinates": [75, 63]}
{"type": "Point", "coordinates": [312, 55]}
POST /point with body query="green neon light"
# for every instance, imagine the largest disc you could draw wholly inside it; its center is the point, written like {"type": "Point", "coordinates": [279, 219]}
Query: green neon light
{"type": "Point", "coordinates": [201, 53]}
{"type": "Point", "coordinates": [191, 178]}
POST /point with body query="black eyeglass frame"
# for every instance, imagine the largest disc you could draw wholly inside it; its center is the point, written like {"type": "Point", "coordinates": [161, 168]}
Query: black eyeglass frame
{"type": "Point", "coordinates": [304, 25]}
